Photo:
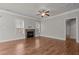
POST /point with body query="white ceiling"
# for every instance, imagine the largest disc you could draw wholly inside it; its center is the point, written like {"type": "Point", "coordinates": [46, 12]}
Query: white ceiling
{"type": "Point", "coordinates": [31, 9]}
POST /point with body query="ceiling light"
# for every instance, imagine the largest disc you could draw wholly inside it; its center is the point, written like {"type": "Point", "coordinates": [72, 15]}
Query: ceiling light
{"type": "Point", "coordinates": [43, 13]}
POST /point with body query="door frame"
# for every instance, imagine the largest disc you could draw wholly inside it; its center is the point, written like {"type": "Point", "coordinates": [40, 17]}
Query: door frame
{"type": "Point", "coordinates": [76, 28]}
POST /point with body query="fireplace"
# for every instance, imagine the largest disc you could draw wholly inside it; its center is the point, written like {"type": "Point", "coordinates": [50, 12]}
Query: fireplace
{"type": "Point", "coordinates": [30, 33]}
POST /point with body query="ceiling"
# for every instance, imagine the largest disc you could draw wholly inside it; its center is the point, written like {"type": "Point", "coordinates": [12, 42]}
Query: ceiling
{"type": "Point", "coordinates": [31, 9]}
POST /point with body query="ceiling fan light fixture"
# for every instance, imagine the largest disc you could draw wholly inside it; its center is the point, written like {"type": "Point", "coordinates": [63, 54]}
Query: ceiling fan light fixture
{"type": "Point", "coordinates": [43, 13]}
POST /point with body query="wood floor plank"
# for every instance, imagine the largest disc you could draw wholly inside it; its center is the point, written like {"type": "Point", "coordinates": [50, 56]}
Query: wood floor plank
{"type": "Point", "coordinates": [39, 46]}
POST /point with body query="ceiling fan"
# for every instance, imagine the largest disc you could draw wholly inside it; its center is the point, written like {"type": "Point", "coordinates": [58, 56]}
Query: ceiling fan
{"type": "Point", "coordinates": [43, 13]}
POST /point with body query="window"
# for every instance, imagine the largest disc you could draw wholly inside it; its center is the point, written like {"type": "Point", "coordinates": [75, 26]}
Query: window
{"type": "Point", "coordinates": [20, 25]}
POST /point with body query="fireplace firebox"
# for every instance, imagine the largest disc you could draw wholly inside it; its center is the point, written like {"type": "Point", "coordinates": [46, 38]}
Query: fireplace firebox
{"type": "Point", "coordinates": [30, 33]}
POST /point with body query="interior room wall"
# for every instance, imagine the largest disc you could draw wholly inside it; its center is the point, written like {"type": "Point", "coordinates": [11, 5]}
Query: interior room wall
{"type": "Point", "coordinates": [55, 26]}
{"type": "Point", "coordinates": [9, 25]}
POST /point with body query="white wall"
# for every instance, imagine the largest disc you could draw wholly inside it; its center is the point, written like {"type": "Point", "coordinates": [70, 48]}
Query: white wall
{"type": "Point", "coordinates": [29, 23]}
{"type": "Point", "coordinates": [55, 26]}
{"type": "Point", "coordinates": [8, 29]}
{"type": "Point", "coordinates": [8, 26]}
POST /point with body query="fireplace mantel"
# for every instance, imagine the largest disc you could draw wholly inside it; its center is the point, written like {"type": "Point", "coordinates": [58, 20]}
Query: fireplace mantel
{"type": "Point", "coordinates": [29, 30]}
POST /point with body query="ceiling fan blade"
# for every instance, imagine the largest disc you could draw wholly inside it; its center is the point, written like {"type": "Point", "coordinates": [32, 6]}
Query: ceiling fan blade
{"type": "Point", "coordinates": [47, 11]}
{"type": "Point", "coordinates": [43, 13]}
{"type": "Point", "coordinates": [47, 14]}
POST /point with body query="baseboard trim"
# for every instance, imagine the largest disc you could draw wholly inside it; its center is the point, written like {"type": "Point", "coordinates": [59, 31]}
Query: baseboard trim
{"type": "Point", "coordinates": [53, 37]}
{"type": "Point", "coordinates": [36, 36]}
{"type": "Point", "coordinates": [11, 40]}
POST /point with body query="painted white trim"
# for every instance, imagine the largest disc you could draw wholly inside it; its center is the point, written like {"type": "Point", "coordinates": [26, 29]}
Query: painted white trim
{"type": "Point", "coordinates": [17, 14]}
{"type": "Point", "coordinates": [11, 40]}
{"type": "Point", "coordinates": [77, 40]}
{"type": "Point", "coordinates": [53, 37]}
{"type": "Point", "coordinates": [76, 28]}
{"type": "Point", "coordinates": [67, 12]}
{"type": "Point", "coordinates": [65, 28]}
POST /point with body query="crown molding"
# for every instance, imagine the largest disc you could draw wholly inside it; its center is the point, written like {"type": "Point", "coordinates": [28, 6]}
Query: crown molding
{"type": "Point", "coordinates": [67, 12]}
{"type": "Point", "coordinates": [17, 14]}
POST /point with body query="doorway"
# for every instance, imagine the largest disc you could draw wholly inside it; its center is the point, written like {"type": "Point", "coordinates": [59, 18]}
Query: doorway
{"type": "Point", "coordinates": [71, 29]}
{"type": "Point", "coordinates": [70, 43]}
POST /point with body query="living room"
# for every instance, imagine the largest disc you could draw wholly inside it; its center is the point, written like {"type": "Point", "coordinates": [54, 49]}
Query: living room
{"type": "Point", "coordinates": [39, 28]}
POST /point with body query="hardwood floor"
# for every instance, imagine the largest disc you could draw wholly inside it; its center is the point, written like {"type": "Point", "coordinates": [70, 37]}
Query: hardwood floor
{"type": "Point", "coordinates": [39, 46]}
